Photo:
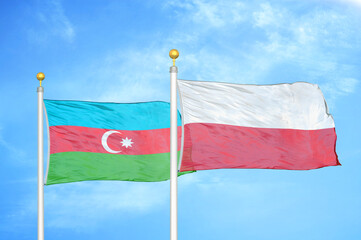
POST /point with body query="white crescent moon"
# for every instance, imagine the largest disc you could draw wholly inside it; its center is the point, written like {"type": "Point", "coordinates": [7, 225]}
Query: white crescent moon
{"type": "Point", "coordinates": [105, 139]}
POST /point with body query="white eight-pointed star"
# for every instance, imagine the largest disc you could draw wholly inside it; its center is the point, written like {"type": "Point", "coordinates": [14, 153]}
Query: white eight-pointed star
{"type": "Point", "coordinates": [126, 142]}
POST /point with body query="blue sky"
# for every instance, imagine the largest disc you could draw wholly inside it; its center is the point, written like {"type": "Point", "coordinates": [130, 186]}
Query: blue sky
{"type": "Point", "coordinates": [118, 51]}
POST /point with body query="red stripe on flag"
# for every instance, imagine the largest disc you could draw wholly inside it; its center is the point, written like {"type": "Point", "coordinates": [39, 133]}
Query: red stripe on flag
{"type": "Point", "coordinates": [214, 146]}
{"type": "Point", "coordinates": [84, 139]}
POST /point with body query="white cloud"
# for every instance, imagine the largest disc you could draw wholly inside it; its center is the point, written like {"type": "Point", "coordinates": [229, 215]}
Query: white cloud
{"type": "Point", "coordinates": [348, 85]}
{"type": "Point", "coordinates": [338, 87]}
{"type": "Point", "coordinates": [83, 205]}
{"type": "Point", "coordinates": [214, 186]}
{"type": "Point", "coordinates": [210, 13]}
{"type": "Point", "coordinates": [125, 75]}
{"type": "Point", "coordinates": [134, 75]}
{"type": "Point", "coordinates": [353, 2]}
{"type": "Point", "coordinates": [13, 152]}
{"type": "Point", "coordinates": [80, 205]}
{"type": "Point", "coordinates": [267, 16]}
{"type": "Point", "coordinates": [52, 22]}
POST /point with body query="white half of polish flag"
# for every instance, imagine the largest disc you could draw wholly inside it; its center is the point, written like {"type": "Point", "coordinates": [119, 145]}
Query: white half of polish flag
{"type": "Point", "coordinates": [281, 126]}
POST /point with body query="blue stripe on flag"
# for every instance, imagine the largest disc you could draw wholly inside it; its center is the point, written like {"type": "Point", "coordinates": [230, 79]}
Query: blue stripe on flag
{"type": "Point", "coordinates": [124, 116]}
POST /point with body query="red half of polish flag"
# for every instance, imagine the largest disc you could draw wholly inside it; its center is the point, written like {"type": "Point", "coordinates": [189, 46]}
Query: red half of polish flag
{"type": "Point", "coordinates": [282, 126]}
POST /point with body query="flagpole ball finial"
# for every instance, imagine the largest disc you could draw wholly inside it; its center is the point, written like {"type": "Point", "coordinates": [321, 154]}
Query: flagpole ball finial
{"type": "Point", "coordinates": [40, 76]}
{"type": "Point", "coordinates": [173, 54]}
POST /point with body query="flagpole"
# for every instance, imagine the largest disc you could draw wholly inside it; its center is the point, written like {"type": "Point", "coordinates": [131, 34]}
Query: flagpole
{"type": "Point", "coordinates": [173, 148]}
{"type": "Point", "coordinates": [40, 76]}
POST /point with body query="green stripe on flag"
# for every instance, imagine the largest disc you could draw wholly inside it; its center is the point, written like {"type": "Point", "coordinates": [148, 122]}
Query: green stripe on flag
{"type": "Point", "coordinates": [68, 167]}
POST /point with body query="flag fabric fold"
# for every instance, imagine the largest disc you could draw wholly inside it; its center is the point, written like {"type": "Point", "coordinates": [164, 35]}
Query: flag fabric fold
{"type": "Point", "coordinates": [282, 126]}
{"type": "Point", "coordinates": [108, 141]}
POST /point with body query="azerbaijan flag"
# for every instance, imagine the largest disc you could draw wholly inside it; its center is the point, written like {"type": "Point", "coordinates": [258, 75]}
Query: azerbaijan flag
{"type": "Point", "coordinates": [108, 141]}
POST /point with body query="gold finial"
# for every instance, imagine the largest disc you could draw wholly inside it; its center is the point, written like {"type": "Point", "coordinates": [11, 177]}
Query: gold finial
{"type": "Point", "coordinates": [40, 76]}
{"type": "Point", "coordinates": [173, 54]}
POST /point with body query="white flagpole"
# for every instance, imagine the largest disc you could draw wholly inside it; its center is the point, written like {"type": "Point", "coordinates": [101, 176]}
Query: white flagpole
{"type": "Point", "coordinates": [40, 76]}
{"type": "Point", "coordinates": [173, 148]}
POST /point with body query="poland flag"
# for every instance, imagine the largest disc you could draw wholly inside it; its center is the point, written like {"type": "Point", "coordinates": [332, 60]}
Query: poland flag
{"type": "Point", "coordinates": [281, 126]}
